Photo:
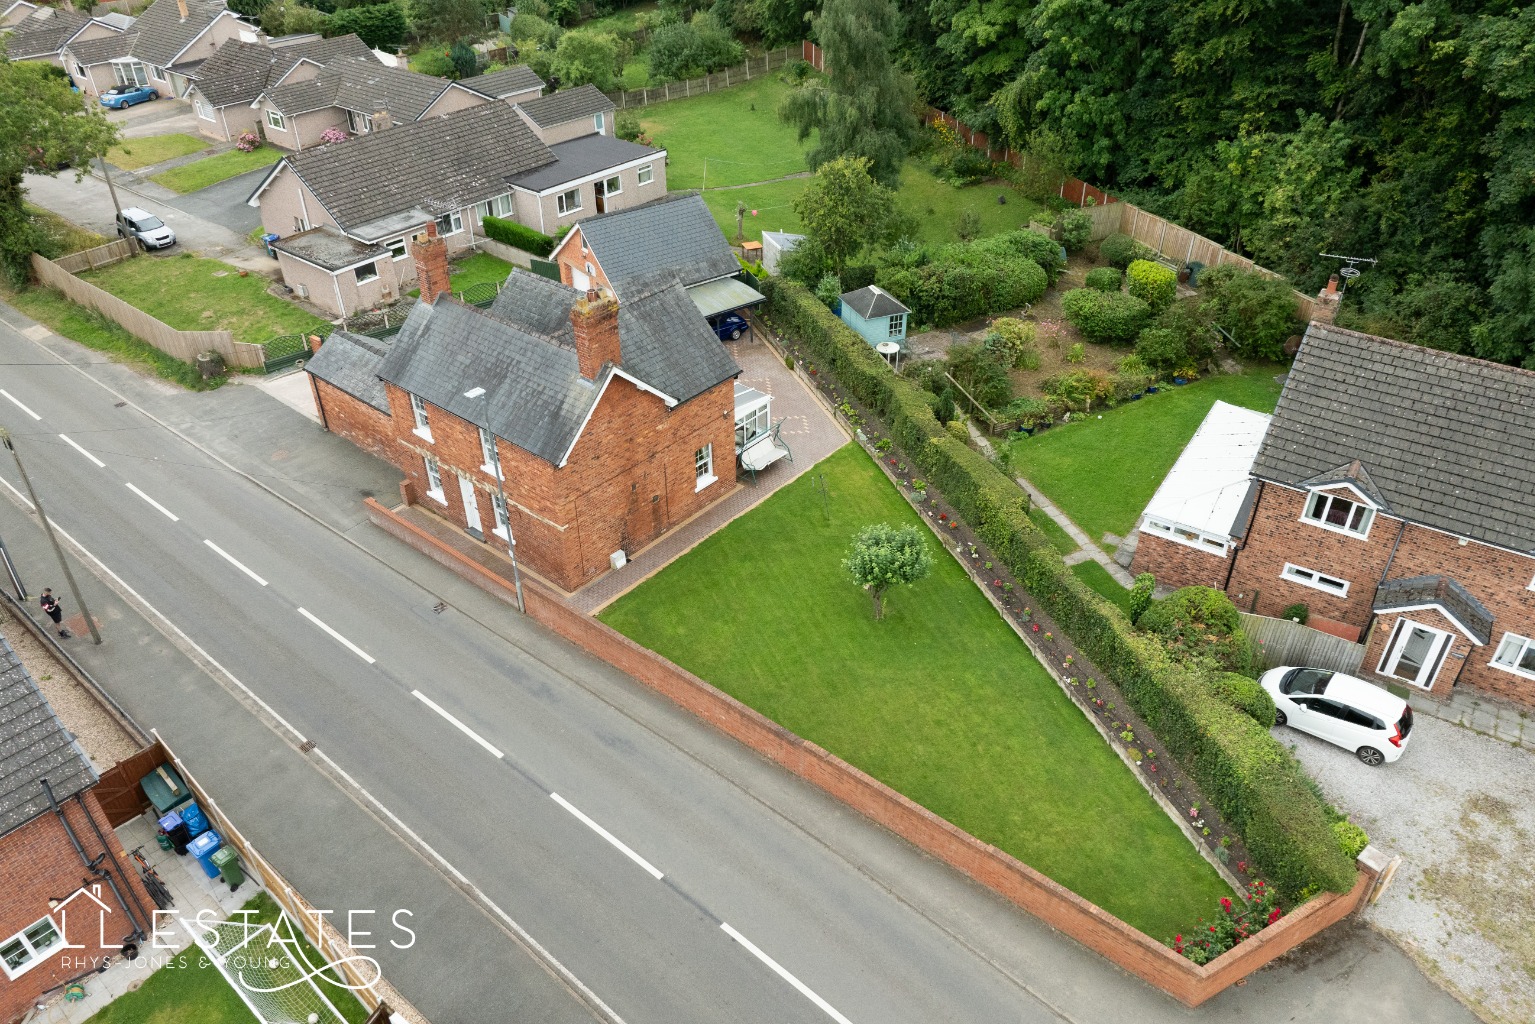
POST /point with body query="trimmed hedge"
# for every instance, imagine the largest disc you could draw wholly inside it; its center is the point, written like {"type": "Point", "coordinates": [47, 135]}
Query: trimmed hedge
{"type": "Point", "coordinates": [518, 236]}
{"type": "Point", "coordinates": [1246, 695]}
{"type": "Point", "coordinates": [1121, 250]}
{"type": "Point", "coordinates": [1112, 317]}
{"type": "Point", "coordinates": [1260, 789]}
{"type": "Point", "coordinates": [1154, 283]}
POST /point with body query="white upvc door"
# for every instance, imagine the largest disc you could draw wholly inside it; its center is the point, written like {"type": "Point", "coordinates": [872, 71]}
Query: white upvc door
{"type": "Point", "coordinates": [1414, 653]}
{"type": "Point", "coordinates": [471, 504]}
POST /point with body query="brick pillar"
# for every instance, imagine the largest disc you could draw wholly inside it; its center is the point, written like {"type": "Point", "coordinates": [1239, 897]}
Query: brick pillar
{"type": "Point", "coordinates": [595, 320]}
{"type": "Point", "coordinates": [431, 255]}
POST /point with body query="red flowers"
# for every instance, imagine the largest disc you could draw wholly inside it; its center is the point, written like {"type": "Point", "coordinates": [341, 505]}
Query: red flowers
{"type": "Point", "coordinates": [942, 516]}
{"type": "Point", "coordinates": [1274, 915]}
{"type": "Point", "coordinates": [1226, 904]}
{"type": "Point", "coordinates": [1035, 627]}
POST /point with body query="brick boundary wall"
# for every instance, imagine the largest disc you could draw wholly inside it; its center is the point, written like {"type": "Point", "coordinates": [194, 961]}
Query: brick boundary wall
{"type": "Point", "coordinates": [1062, 909]}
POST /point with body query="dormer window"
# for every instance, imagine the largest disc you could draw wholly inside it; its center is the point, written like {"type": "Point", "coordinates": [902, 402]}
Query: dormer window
{"type": "Point", "coordinates": [1332, 512]}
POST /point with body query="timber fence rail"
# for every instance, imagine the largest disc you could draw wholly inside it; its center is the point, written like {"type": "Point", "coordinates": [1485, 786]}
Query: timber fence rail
{"type": "Point", "coordinates": [1284, 642]}
{"type": "Point", "coordinates": [92, 259]}
{"type": "Point", "coordinates": [183, 345]}
{"type": "Point", "coordinates": [740, 74]}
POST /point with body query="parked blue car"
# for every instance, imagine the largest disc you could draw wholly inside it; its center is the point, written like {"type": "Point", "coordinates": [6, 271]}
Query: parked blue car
{"type": "Point", "coordinates": [120, 96]}
{"type": "Point", "coordinates": [729, 326]}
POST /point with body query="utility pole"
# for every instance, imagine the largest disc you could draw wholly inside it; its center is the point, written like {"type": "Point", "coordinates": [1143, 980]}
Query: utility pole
{"type": "Point", "coordinates": [101, 159]}
{"type": "Point", "coordinates": [74, 588]}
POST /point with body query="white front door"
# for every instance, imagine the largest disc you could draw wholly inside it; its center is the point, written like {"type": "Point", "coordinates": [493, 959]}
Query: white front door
{"type": "Point", "coordinates": [1414, 653]}
{"type": "Point", "coordinates": [471, 505]}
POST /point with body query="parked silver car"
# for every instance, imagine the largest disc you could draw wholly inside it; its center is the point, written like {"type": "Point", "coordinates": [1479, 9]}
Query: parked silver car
{"type": "Point", "coordinates": [145, 228]}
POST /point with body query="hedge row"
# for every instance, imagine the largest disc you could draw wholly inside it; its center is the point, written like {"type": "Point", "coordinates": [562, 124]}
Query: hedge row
{"type": "Point", "coordinates": [1257, 785]}
{"type": "Point", "coordinates": [518, 236]}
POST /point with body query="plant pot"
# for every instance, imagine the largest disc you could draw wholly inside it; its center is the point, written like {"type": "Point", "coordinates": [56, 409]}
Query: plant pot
{"type": "Point", "coordinates": [1136, 397]}
{"type": "Point", "coordinates": [1152, 390]}
{"type": "Point", "coordinates": [1180, 381]}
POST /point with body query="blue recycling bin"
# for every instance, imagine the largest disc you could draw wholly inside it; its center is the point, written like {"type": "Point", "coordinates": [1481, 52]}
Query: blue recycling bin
{"type": "Point", "coordinates": [203, 847]}
{"type": "Point", "coordinates": [267, 241]}
{"type": "Point", "coordinates": [196, 821]}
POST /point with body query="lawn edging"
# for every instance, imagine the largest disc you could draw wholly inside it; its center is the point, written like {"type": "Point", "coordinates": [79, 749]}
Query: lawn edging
{"type": "Point", "coordinates": [1108, 936]}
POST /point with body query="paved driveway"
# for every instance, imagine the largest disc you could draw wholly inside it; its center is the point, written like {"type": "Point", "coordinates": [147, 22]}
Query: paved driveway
{"type": "Point", "coordinates": [1460, 809]}
{"type": "Point", "coordinates": [224, 203]}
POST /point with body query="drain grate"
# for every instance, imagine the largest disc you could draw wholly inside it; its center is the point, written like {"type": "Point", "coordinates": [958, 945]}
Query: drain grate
{"type": "Point", "coordinates": [439, 607]}
{"type": "Point", "coordinates": [306, 746]}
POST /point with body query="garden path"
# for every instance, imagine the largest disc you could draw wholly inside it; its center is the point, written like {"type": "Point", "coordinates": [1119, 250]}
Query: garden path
{"type": "Point", "coordinates": [1089, 549]}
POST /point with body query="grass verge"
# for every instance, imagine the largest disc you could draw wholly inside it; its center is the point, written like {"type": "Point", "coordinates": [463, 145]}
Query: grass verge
{"type": "Point", "coordinates": [976, 731]}
{"type": "Point", "coordinates": [131, 154]}
{"type": "Point", "coordinates": [200, 174]}
{"type": "Point", "coordinates": [67, 236]}
{"type": "Point", "coordinates": [1097, 577]}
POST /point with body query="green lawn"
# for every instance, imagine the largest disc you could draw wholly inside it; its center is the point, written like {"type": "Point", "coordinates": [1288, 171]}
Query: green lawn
{"type": "Point", "coordinates": [131, 154]}
{"type": "Point", "coordinates": [1097, 577]}
{"type": "Point", "coordinates": [194, 294]}
{"type": "Point", "coordinates": [1101, 472]}
{"type": "Point", "coordinates": [192, 989]}
{"type": "Point", "coordinates": [936, 205]}
{"type": "Point", "coordinates": [774, 203]}
{"type": "Point", "coordinates": [202, 173]}
{"type": "Point", "coordinates": [940, 700]}
{"type": "Point", "coordinates": [1050, 528]}
{"type": "Point", "coordinates": [67, 236]}
{"type": "Point", "coordinates": [736, 131]}
{"type": "Point", "coordinates": [481, 268]}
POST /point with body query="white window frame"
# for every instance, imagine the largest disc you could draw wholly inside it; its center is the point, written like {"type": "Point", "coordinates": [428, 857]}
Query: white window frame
{"type": "Point", "coordinates": [129, 72]}
{"type": "Point", "coordinates": [80, 71]}
{"type": "Point", "coordinates": [1209, 543]}
{"type": "Point", "coordinates": [600, 122]}
{"type": "Point", "coordinates": [703, 467]}
{"type": "Point", "coordinates": [897, 326]}
{"type": "Point", "coordinates": [1323, 501]}
{"type": "Point", "coordinates": [359, 124]}
{"type": "Point", "coordinates": [37, 955]}
{"type": "Point", "coordinates": [607, 182]}
{"type": "Point", "coordinates": [1512, 667]}
{"type": "Point", "coordinates": [503, 518]}
{"type": "Point", "coordinates": [434, 480]}
{"type": "Point", "coordinates": [371, 269]}
{"type": "Point", "coordinates": [450, 223]}
{"type": "Point", "coordinates": [1315, 580]}
{"type": "Point", "coordinates": [276, 121]}
{"type": "Point", "coordinates": [157, 73]}
{"type": "Point", "coordinates": [644, 174]}
{"type": "Point", "coordinates": [490, 453]}
{"type": "Point", "coordinates": [204, 111]}
{"type": "Point", "coordinates": [753, 425]}
{"type": "Point", "coordinates": [497, 206]}
{"type": "Point", "coordinates": [423, 427]}
{"type": "Point", "coordinates": [562, 207]}
{"type": "Point", "coordinates": [398, 249]}
{"type": "Point", "coordinates": [1437, 651]}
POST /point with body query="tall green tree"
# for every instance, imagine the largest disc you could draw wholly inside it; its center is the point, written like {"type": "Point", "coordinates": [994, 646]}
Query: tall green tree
{"type": "Point", "coordinates": [866, 105]}
{"type": "Point", "coordinates": [844, 209]}
{"type": "Point", "coordinates": [585, 57]}
{"type": "Point", "coordinates": [43, 128]}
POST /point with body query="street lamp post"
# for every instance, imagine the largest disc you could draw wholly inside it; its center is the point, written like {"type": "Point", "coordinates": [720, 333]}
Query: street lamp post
{"type": "Point", "coordinates": [74, 588]}
{"type": "Point", "coordinates": [511, 545]}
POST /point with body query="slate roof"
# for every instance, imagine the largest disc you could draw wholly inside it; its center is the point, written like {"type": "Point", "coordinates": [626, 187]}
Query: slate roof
{"type": "Point", "coordinates": [1447, 440]}
{"type": "Point", "coordinates": [581, 158]}
{"type": "Point", "coordinates": [350, 362]}
{"type": "Point", "coordinates": [566, 105]}
{"type": "Point", "coordinates": [34, 745]}
{"type": "Point", "coordinates": [677, 233]}
{"type": "Point", "coordinates": [43, 33]}
{"type": "Point", "coordinates": [328, 249]}
{"type": "Point", "coordinates": [1444, 593]}
{"type": "Point", "coordinates": [238, 71]}
{"type": "Point", "coordinates": [505, 82]}
{"type": "Point", "coordinates": [523, 350]}
{"type": "Point", "coordinates": [99, 51]}
{"type": "Point", "coordinates": [872, 301]}
{"type": "Point", "coordinates": [162, 33]}
{"type": "Point", "coordinates": [363, 85]}
{"type": "Point", "coordinates": [432, 166]}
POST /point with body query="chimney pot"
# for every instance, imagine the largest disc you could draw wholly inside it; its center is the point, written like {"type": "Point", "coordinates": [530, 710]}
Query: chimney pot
{"type": "Point", "coordinates": [1332, 284]}
{"type": "Point", "coordinates": [181, 6]}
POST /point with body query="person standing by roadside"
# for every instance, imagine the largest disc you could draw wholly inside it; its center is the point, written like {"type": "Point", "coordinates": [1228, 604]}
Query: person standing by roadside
{"type": "Point", "coordinates": [55, 611]}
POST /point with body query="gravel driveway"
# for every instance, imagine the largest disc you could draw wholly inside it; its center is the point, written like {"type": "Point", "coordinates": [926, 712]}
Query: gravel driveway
{"type": "Point", "coordinates": [1460, 809]}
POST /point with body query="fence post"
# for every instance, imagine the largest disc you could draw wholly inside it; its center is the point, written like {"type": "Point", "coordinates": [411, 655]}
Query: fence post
{"type": "Point", "coordinates": [668, 86]}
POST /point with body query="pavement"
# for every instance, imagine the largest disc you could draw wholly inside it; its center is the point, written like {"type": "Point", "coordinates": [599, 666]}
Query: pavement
{"type": "Point", "coordinates": [391, 737]}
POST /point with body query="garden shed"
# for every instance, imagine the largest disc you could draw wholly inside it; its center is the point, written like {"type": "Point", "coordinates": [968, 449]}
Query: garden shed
{"type": "Point", "coordinates": [774, 245]}
{"type": "Point", "coordinates": [876, 315]}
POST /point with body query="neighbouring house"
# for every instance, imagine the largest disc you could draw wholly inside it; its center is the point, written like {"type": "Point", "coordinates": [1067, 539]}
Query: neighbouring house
{"type": "Point", "coordinates": [606, 422]}
{"type": "Point", "coordinates": [15, 13]}
{"type": "Point", "coordinates": [167, 45]}
{"type": "Point", "coordinates": [510, 85]}
{"type": "Point", "coordinates": [67, 898]}
{"type": "Point", "coordinates": [774, 245]}
{"type": "Point", "coordinates": [225, 87]}
{"type": "Point", "coordinates": [357, 95]}
{"type": "Point", "coordinates": [1391, 495]}
{"type": "Point", "coordinates": [452, 171]}
{"type": "Point", "coordinates": [45, 34]}
{"type": "Point", "coordinates": [876, 315]}
{"type": "Point", "coordinates": [569, 114]}
{"type": "Point", "coordinates": [676, 234]}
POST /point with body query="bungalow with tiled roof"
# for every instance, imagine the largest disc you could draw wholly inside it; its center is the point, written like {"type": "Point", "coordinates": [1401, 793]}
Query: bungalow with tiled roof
{"type": "Point", "coordinates": [45, 33]}
{"type": "Point", "coordinates": [227, 84]}
{"type": "Point", "coordinates": [166, 46]}
{"type": "Point", "coordinates": [569, 114]}
{"type": "Point", "coordinates": [510, 85]}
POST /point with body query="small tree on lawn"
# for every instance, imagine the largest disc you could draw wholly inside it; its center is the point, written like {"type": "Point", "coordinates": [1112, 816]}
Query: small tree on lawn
{"type": "Point", "coordinates": [844, 209]}
{"type": "Point", "coordinates": [883, 556]}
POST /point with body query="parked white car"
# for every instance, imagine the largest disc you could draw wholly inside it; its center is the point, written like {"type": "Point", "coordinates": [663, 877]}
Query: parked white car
{"type": "Point", "coordinates": [1372, 722]}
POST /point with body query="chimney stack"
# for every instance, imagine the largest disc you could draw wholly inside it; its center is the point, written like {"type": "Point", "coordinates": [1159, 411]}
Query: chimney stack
{"type": "Point", "coordinates": [381, 119]}
{"type": "Point", "coordinates": [181, 5]}
{"type": "Point", "coordinates": [431, 256]}
{"type": "Point", "coordinates": [1325, 309]}
{"type": "Point", "coordinates": [595, 320]}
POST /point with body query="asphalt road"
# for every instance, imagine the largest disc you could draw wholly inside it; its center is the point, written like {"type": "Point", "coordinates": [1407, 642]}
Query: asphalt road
{"type": "Point", "coordinates": [224, 203]}
{"type": "Point", "coordinates": [679, 878]}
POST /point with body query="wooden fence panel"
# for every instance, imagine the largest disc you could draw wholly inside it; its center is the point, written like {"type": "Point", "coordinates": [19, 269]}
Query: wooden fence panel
{"type": "Point", "coordinates": [92, 259]}
{"type": "Point", "coordinates": [1289, 643]}
{"type": "Point", "coordinates": [121, 797]}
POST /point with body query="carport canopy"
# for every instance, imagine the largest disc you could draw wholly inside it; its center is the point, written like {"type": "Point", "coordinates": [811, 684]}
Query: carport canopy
{"type": "Point", "coordinates": [715, 297]}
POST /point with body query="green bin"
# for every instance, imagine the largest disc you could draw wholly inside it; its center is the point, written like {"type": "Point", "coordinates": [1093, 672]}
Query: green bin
{"type": "Point", "coordinates": [228, 863]}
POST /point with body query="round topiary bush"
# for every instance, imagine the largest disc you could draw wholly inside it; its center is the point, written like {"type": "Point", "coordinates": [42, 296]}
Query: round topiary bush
{"type": "Point", "coordinates": [1246, 696]}
{"type": "Point", "coordinates": [1104, 279]}
{"type": "Point", "coordinates": [1112, 317]}
{"type": "Point", "coordinates": [1296, 612]}
{"type": "Point", "coordinates": [1156, 284]}
{"type": "Point", "coordinates": [1122, 250]}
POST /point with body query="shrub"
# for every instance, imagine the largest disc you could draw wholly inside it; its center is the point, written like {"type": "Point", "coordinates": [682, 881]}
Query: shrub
{"type": "Point", "coordinates": [1121, 250]}
{"type": "Point", "coordinates": [958, 431]}
{"type": "Point", "coordinates": [1074, 227]}
{"type": "Point", "coordinates": [979, 372]}
{"type": "Point", "coordinates": [1140, 595]}
{"type": "Point", "coordinates": [1077, 353]}
{"type": "Point", "coordinates": [944, 409]}
{"type": "Point", "coordinates": [1080, 388]}
{"type": "Point", "coordinates": [1104, 316]}
{"type": "Point", "coordinates": [527, 25]}
{"type": "Point", "coordinates": [1239, 920]}
{"type": "Point", "coordinates": [1246, 696]}
{"type": "Point", "coordinates": [684, 50]}
{"type": "Point", "coordinates": [1162, 349]}
{"type": "Point", "coordinates": [1034, 246]}
{"type": "Point", "coordinates": [1351, 838]}
{"type": "Point", "coordinates": [1010, 340]}
{"type": "Point", "coordinates": [334, 134]}
{"type": "Point", "coordinates": [1156, 284]}
{"type": "Point", "coordinates": [1025, 412]}
{"type": "Point", "coordinates": [1104, 279]}
{"type": "Point", "coordinates": [436, 61]}
{"type": "Point", "coordinates": [968, 228]}
{"type": "Point", "coordinates": [1257, 311]}
{"type": "Point", "coordinates": [1201, 626]}
{"type": "Point", "coordinates": [518, 236]}
{"type": "Point", "coordinates": [1133, 376]}
{"type": "Point", "coordinates": [381, 26]}
{"type": "Point", "coordinates": [1298, 612]}
{"type": "Point", "coordinates": [829, 290]}
{"type": "Point", "coordinates": [585, 57]}
{"type": "Point", "coordinates": [805, 263]}
{"type": "Point", "coordinates": [248, 142]}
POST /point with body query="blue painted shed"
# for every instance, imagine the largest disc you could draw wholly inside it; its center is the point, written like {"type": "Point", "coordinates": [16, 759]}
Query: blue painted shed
{"type": "Point", "coordinates": [876, 315]}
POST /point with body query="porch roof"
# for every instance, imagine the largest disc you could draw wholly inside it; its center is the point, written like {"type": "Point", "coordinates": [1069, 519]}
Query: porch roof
{"type": "Point", "coordinates": [723, 296]}
{"type": "Point", "coordinates": [1446, 595]}
{"type": "Point", "coordinates": [1207, 486]}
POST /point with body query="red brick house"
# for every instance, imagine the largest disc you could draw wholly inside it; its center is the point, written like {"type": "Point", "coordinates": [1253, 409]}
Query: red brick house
{"type": "Point", "coordinates": [1392, 495]}
{"type": "Point", "coordinates": [607, 422]}
{"type": "Point", "coordinates": [65, 899]}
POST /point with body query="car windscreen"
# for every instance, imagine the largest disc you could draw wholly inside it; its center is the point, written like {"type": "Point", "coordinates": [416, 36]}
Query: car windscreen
{"type": "Point", "coordinates": [149, 223]}
{"type": "Point", "coordinates": [1306, 680]}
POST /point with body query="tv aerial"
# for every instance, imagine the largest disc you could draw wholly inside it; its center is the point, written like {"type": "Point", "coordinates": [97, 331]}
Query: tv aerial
{"type": "Point", "coordinates": [1350, 269]}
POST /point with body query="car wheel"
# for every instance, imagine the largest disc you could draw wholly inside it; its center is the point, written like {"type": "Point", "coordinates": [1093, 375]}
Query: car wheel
{"type": "Point", "coordinates": [1279, 717]}
{"type": "Point", "coordinates": [1370, 756]}
{"type": "Point", "coordinates": [735, 334]}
